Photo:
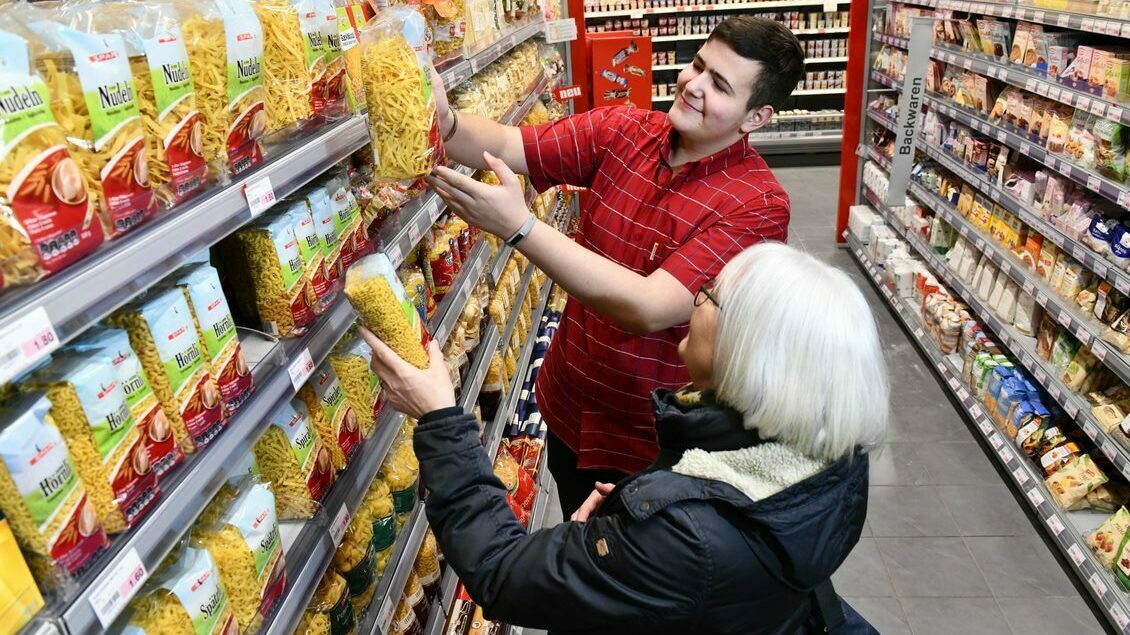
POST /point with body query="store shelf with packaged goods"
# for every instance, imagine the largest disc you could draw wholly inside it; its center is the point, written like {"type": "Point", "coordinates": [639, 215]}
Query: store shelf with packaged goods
{"type": "Point", "coordinates": [492, 435]}
{"type": "Point", "coordinates": [1067, 529]}
{"type": "Point", "coordinates": [458, 71]}
{"type": "Point", "coordinates": [90, 289]}
{"type": "Point", "coordinates": [378, 616]}
{"type": "Point", "coordinates": [437, 616]}
{"type": "Point", "coordinates": [1105, 25]}
{"type": "Point", "coordinates": [537, 518]}
{"type": "Point", "coordinates": [450, 308]}
{"type": "Point", "coordinates": [796, 142]}
{"type": "Point", "coordinates": [694, 37]}
{"type": "Point", "coordinates": [706, 8]}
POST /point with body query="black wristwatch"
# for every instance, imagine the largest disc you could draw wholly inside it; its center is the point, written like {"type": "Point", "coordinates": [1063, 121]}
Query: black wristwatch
{"type": "Point", "coordinates": [523, 231]}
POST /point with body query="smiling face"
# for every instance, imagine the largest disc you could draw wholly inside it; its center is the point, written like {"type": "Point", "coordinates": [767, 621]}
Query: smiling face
{"type": "Point", "coordinates": [712, 96]}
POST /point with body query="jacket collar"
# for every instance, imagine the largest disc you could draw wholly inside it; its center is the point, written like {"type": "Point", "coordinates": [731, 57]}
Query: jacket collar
{"type": "Point", "coordinates": [684, 423]}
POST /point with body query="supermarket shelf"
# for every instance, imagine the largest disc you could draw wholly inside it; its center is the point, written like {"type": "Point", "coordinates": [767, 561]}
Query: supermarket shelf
{"type": "Point", "coordinates": [437, 617]}
{"type": "Point", "coordinates": [93, 287]}
{"type": "Point", "coordinates": [459, 71]}
{"type": "Point", "coordinates": [819, 91]}
{"type": "Point", "coordinates": [184, 493]}
{"type": "Point", "coordinates": [477, 369]}
{"type": "Point", "coordinates": [1066, 529]}
{"type": "Point", "coordinates": [826, 60]}
{"type": "Point", "coordinates": [796, 142]}
{"type": "Point", "coordinates": [702, 36]}
{"type": "Point", "coordinates": [1063, 19]}
{"type": "Point", "coordinates": [668, 67]}
{"type": "Point", "coordinates": [537, 518]}
{"type": "Point", "coordinates": [704, 8]}
{"type": "Point", "coordinates": [390, 587]}
{"type": "Point", "coordinates": [450, 309]}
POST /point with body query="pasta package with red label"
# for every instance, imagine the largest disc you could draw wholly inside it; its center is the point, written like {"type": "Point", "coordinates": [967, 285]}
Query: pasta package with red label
{"type": "Point", "coordinates": [375, 291]}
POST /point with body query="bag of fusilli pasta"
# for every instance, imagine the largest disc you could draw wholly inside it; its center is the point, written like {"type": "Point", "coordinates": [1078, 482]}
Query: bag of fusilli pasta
{"type": "Point", "coordinates": [267, 275]}
{"type": "Point", "coordinates": [402, 110]}
{"type": "Point", "coordinates": [351, 359]}
{"type": "Point", "coordinates": [188, 597]}
{"type": "Point", "coordinates": [46, 217]}
{"type": "Point", "coordinates": [292, 456]}
{"type": "Point", "coordinates": [94, 99]}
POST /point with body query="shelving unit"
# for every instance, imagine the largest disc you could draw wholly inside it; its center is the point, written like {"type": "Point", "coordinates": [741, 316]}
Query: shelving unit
{"type": "Point", "coordinates": [707, 8]}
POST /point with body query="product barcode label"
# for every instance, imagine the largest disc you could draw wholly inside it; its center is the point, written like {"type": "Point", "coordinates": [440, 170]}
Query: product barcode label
{"type": "Point", "coordinates": [1076, 554]}
{"type": "Point", "coordinates": [339, 525]}
{"type": "Point", "coordinates": [1091, 429]}
{"type": "Point", "coordinates": [1099, 350]}
{"type": "Point", "coordinates": [996, 441]}
{"type": "Point", "coordinates": [260, 195]}
{"type": "Point", "coordinates": [1097, 584]}
{"type": "Point", "coordinates": [1093, 182]}
{"type": "Point", "coordinates": [1109, 450]}
{"type": "Point", "coordinates": [1020, 475]}
{"type": "Point", "coordinates": [1055, 524]}
{"type": "Point", "coordinates": [1100, 268]}
{"type": "Point", "coordinates": [1024, 149]}
{"type": "Point", "coordinates": [1036, 497]}
{"type": "Point", "coordinates": [117, 587]}
{"type": "Point", "coordinates": [300, 369]}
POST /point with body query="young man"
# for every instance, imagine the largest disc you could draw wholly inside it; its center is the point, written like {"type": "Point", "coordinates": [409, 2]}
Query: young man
{"type": "Point", "coordinates": [672, 198]}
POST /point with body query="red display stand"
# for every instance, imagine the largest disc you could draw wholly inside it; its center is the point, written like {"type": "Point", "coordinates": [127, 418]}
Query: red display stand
{"type": "Point", "coordinates": [619, 69]}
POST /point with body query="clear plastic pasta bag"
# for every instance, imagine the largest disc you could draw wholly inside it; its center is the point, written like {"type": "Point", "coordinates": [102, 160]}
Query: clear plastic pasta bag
{"type": "Point", "coordinates": [376, 293]}
{"type": "Point", "coordinates": [292, 456]}
{"type": "Point", "coordinates": [402, 121]}
{"type": "Point", "coordinates": [188, 596]}
{"type": "Point", "coordinates": [294, 60]}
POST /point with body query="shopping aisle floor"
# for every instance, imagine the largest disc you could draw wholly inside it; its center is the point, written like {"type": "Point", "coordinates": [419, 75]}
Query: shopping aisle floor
{"type": "Point", "coordinates": [947, 549]}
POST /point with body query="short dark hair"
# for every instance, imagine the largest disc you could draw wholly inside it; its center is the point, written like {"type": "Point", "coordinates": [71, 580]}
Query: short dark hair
{"type": "Point", "coordinates": [775, 47]}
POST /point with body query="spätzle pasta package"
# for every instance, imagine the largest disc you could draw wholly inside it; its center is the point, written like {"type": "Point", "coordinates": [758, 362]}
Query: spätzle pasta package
{"type": "Point", "coordinates": [41, 492]}
{"type": "Point", "coordinates": [376, 293]}
{"type": "Point", "coordinates": [293, 458]}
{"type": "Point", "coordinates": [352, 233]}
{"type": "Point", "coordinates": [188, 597]}
{"type": "Point", "coordinates": [332, 415]}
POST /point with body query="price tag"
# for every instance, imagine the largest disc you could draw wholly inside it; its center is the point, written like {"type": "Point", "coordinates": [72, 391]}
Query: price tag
{"type": "Point", "coordinates": [1054, 390]}
{"type": "Point", "coordinates": [980, 244]}
{"type": "Point", "coordinates": [1093, 183]}
{"type": "Point", "coordinates": [25, 341]}
{"type": "Point", "coordinates": [1030, 85]}
{"type": "Point", "coordinates": [1063, 20]}
{"type": "Point", "coordinates": [976, 411]}
{"type": "Point", "coordinates": [1024, 149]}
{"type": "Point", "coordinates": [1055, 524]}
{"type": "Point", "coordinates": [1100, 268]}
{"type": "Point", "coordinates": [1042, 299]}
{"type": "Point", "coordinates": [1090, 430]}
{"type": "Point", "coordinates": [967, 63]}
{"type": "Point", "coordinates": [1072, 409]}
{"type": "Point", "coordinates": [1006, 12]}
{"type": "Point", "coordinates": [1001, 136]}
{"type": "Point", "coordinates": [339, 525]}
{"type": "Point", "coordinates": [118, 587]}
{"type": "Point", "coordinates": [1065, 320]}
{"type": "Point", "coordinates": [1083, 335]}
{"type": "Point", "coordinates": [1114, 113]}
{"type": "Point", "coordinates": [1020, 475]}
{"type": "Point", "coordinates": [385, 618]}
{"type": "Point", "coordinates": [1005, 454]}
{"type": "Point", "coordinates": [1115, 611]}
{"type": "Point", "coordinates": [394, 254]}
{"type": "Point", "coordinates": [1029, 288]}
{"type": "Point", "coordinates": [1066, 96]}
{"type": "Point", "coordinates": [1076, 554]}
{"type": "Point", "coordinates": [986, 427]}
{"type": "Point", "coordinates": [564, 30]}
{"type": "Point", "coordinates": [260, 196]}
{"type": "Point", "coordinates": [919, 334]}
{"type": "Point", "coordinates": [1027, 359]}
{"type": "Point", "coordinates": [995, 194]}
{"type": "Point", "coordinates": [1036, 497]}
{"type": "Point", "coordinates": [1098, 108]}
{"type": "Point", "coordinates": [1097, 584]}
{"type": "Point", "coordinates": [1038, 16]}
{"type": "Point", "coordinates": [1043, 89]}
{"type": "Point", "coordinates": [964, 231]}
{"type": "Point", "coordinates": [962, 394]}
{"type": "Point", "coordinates": [414, 233]}
{"type": "Point", "coordinates": [1109, 449]}
{"type": "Point", "coordinates": [300, 369]}
{"type": "Point", "coordinates": [1123, 285]}
{"type": "Point", "coordinates": [1099, 350]}
{"type": "Point", "coordinates": [1006, 267]}
{"type": "Point", "coordinates": [954, 383]}
{"type": "Point", "coordinates": [996, 441]}
{"type": "Point", "coordinates": [1054, 93]}
{"type": "Point", "coordinates": [1041, 376]}
{"type": "Point", "coordinates": [1088, 24]}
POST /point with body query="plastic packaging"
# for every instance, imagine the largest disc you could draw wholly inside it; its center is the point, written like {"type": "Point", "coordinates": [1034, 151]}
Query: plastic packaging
{"type": "Point", "coordinates": [401, 471]}
{"type": "Point", "coordinates": [292, 456]}
{"type": "Point", "coordinates": [355, 560]}
{"type": "Point", "coordinates": [379, 507]}
{"type": "Point", "coordinates": [293, 59]}
{"type": "Point", "coordinates": [330, 607]}
{"type": "Point", "coordinates": [313, 258]}
{"type": "Point", "coordinates": [277, 275]}
{"type": "Point", "coordinates": [332, 415]}
{"type": "Point", "coordinates": [187, 597]}
{"type": "Point", "coordinates": [375, 291]}
{"type": "Point", "coordinates": [351, 359]}
{"type": "Point", "coordinates": [20, 599]}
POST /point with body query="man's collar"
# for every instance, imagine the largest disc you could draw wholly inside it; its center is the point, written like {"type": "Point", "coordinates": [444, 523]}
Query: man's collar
{"type": "Point", "coordinates": [717, 161]}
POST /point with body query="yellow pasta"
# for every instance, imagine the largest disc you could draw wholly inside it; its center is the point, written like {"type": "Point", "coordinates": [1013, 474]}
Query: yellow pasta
{"type": "Point", "coordinates": [292, 456]}
{"type": "Point", "coordinates": [281, 287]}
{"type": "Point", "coordinates": [355, 559]}
{"type": "Point", "coordinates": [384, 309]}
{"type": "Point", "coordinates": [351, 360]}
{"type": "Point", "coordinates": [322, 425]}
{"type": "Point", "coordinates": [207, 57]}
{"type": "Point", "coordinates": [237, 566]}
{"type": "Point", "coordinates": [286, 77]}
{"type": "Point", "coordinates": [400, 472]}
{"type": "Point", "coordinates": [190, 592]}
{"type": "Point", "coordinates": [331, 601]}
{"type": "Point", "coordinates": [313, 623]}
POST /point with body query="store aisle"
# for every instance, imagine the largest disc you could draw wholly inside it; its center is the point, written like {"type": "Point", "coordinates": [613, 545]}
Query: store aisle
{"type": "Point", "coordinates": [947, 549]}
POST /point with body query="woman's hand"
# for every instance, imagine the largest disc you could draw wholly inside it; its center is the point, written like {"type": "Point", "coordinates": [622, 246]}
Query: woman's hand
{"type": "Point", "coordinates": [498, 209]}
{"type": "Point", "coordinates": [593, 502]}
{"type": "Point", "coordinates": [443, 107]}
{"type": "Point", "coordinates": [410, 390]}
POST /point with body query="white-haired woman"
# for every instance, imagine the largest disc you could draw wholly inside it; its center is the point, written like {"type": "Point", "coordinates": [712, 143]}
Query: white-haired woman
{"type": "Point", "coordinates": [758, 495]}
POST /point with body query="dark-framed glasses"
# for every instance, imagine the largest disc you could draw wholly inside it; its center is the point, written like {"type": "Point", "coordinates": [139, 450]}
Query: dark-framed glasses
{"type": "Point", "coordinates": [706, 292]}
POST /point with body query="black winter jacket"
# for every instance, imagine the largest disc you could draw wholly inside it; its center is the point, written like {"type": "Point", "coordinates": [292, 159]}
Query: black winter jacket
{"type": "Point", "coordinates": [666, 553]}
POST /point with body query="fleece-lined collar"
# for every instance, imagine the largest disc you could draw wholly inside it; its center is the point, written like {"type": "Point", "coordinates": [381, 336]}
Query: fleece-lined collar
{"type": "Point", "coordinates": [758, 472]}
{"type": "Point", "coordinates": [686, 421]}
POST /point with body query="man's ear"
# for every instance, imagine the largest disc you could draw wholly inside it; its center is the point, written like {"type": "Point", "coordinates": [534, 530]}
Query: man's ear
{"type": "Point", "coordinates": [757, 118]}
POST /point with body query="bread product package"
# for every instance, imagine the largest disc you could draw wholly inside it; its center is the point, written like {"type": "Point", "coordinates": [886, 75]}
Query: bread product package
{"type": "Point", "coordinates": [94, 99]}
{"type": "Point", "coordinates": [379, 506]}
{"type": "Point", "coordinates": [224, 41]}
{"type": "Point", "coordinates": [152, 424]}
{"type": "Point", "coordinates": [216, 329]}
{"type": "Point", "coordinates": [330, 611]}
{"type": "Point", "coordinates": [293, 458]}
{"type": "Point", "coordinates": [162, 333]}
{"type": "Point", "coordinates": [247, 548]}
{"type": "Point", "coordinates": [270, 257]}
{"type": "Point", "coordinates": [89, 407]}
{"type": "Point", "coordinates": [355, 560]}
{"type": "Point", "coordinates": [42, 494]}
{"type": "Point", "coordinates": [1072, 482]}
{"type": "Point", "coordinates": [46, 216]}
{"type": "Point", "coordinates": [313, 258]}
{"type": "Point", "coordinates": [1105, 540]}
{"type": "Point", "coordinates": [20, 599]}
{"type": "Point", "coordinates": [402, 117]}
{"type": "Point", "coordinates": [333, 417]}
{"type": "Point", "coordinates": [189, 596]}
{"type": "Point", "coordinates": [351, 359]}
{"type": "Point", "coordinates": [375, 291]}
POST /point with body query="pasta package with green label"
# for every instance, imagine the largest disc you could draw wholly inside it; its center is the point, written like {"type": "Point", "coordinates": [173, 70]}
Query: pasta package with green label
{"type": "Point", "coordinates": [293, 457]}
{"type": "Point", "coordinates": [401, 472]}
{"type": "Point", "coordinates": [294, 52]}
{"type": "Point", "coordinates": [351, 359]}
{"type": "Point", "coordinates": [310, 247]}
{"type": "Point", "coordinates": [402, 109]}
{"type": "Point", "coordinates": [380, 509]}
{"type": "Point", "coordinates": [355, 560]}
{"type": "Point", "coordinates": [89, 407]}
{"type": "Point", "coordinates": [189, 598]}
{"type": "Point", "coordinates": [278, 276]}
{"type": "Point", "coordinates": [330, 611]}
{"type": "Point", "coordinates": [376, 293]}
{"type": "Point", "coordinates": [41, 492]}
{"type": "Point", "coordinates": [333, 417]}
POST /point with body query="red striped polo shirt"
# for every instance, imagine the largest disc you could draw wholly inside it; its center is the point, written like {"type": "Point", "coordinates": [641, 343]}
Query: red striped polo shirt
{"type": "Point", "coordinates": [594, 386]}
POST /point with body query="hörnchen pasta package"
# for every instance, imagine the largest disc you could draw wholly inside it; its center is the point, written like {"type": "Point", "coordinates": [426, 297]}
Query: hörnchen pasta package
{"type": "Point", "coordinates": [188, 597]}
{"type": "Point", "coordinates": [41, 493]}
{"type": "Point", "coordinates": [325, 223]}
{"type": "Point", "coordinates": [294, 57]}
{"type": "Point", "coordinates": [402, 111]}
{"type": "Point", "coordinates": [376, 293]}
{"type": "Point", "coordinates": [332, 415]}
{"type": "Point", "coordinates": [313, 256]}
{"type": "Point", "coordinates": [352, 233]}
{"type": "Point", "coordinates": [89, 407]}
{"type": "Point", "coordinates": [293, 458]}
{"type": "Point", "coordinates": [269, 267]}
{"type": "Point", "coordinates": [47, 219]}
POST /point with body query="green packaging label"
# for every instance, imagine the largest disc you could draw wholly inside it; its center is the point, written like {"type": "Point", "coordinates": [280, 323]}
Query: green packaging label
{"type": "Point", "coordinates": [104, 404]}
{"type": "Point", "coordinates": [168, 65]}
{"type": "Point", "coordinates": [37, 460]}
{"type": "Point", "coordinates": [107, 83]}
{"type": "Point", "coordinates": [243, 36]}
{"type": "Point", "coordinates": [384, 533]}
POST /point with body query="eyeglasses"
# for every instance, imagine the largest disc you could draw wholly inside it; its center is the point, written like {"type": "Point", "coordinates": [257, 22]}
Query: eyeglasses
{"type": "Point", "coordinates": [706, 292]}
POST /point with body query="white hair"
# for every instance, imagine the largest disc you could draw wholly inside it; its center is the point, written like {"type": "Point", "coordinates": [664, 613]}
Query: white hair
{"type": "Point", "coordinates": [798, 353]}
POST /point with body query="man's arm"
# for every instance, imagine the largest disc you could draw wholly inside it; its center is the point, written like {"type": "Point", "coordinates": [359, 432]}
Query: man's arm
{"type": "Point", "coordinates": [475, 134]}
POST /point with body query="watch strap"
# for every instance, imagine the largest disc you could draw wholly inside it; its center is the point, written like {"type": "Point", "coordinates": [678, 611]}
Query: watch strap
{"type": "Point", "coordinates": [523, 231]}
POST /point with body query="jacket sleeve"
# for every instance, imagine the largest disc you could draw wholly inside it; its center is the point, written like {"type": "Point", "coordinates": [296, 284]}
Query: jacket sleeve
{"type": "Point", "coordinates": [574, 576]}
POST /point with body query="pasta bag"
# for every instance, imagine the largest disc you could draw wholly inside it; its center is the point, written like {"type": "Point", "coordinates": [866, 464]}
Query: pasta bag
{"type": "Point", "coordinates": [322, 292]}
{"type": "Point", "coordinates": [247, 548]}
{"type": "Point", "coordinates": [330, 611]}
{"type": "Point", "coordinates": [449, 28]}
{"type": "Point", "coordinates": [351, 359]}
{"type": "Point", "coordinates": [401, 471]}
{"type": "Point", "coordinates": [216, 329]}
{"type": "Point", "coordinates": [46, 215]}
{"type": "Point", "coordinates": [350, 19]}
{"type": "Point", "coordinates": [351, 231]}
{"type": "Point", "coordinates": [294, 52]}
{"type": "Point", "coordinates": [330, 100]}
{"type": "Point", "coordinates": [355, 560]}
{"type": "Point", "coordinates": [333, 417]}
{"type": "Point", "coordinates": [189, 596]}
{"type": "Point", "coordinates": [162, 333]}
{"type": "Point", "coordinates": [402, 117]}
{"type": "Point", "coordinates": [375, 291]}
{"type": "Point", "coordinates": [94, 99]}
{"type": "Point", "coordinates": [42, 494]}
{"type": "Point", "coordinates": [152, 424]}
{"type": "Point", "coordinates": [271, 259]}
{"type": "Point", "coordinates": [325, 223]}
{"type": "Point", "coordinates": [378, 505]}
{"type": "Point", "coordinates": [224, 41]}
{"type": "Point", "coordinates": [89, 408]}
{"type": "Point", "coordinates": [292, 456]}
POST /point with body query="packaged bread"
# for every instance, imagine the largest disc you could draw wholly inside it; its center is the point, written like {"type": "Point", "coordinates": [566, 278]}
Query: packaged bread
{"type": "Point", "coordinates": [313, 258]}
{"type": "Point", "coordinates": [1072, 482]}
{"type": "Point", "coordinates": [375, 291]}
{"type": "Point", "coordinates": [294, 52]}
{"type": "Point", "coordinates": [401, 471]}
{"type": "Point", "coordinates": [333, 417]}
{"type": "Point", "coordinates": [42, 494]}
{"type": "Point", "coordinates": [330, 611]}
{"type": "Point", "coordinates": [246, 546]}
{"type": "Point", "coordinates": [274, 272]}
{"type": "Point", "coordinates": [293, 458]}
{"type": "Point", "coordinates": [47, 218]}
{"type": "Point", "coordinates": [216, 329]}
{"type": "Point", "coordinates": [355, 560]}
{"type": "Point", "coordinates": [379, 507]}
{"type": "Point", "coordinates": [163, 335]}
{"type": "Point", "coordinates": [224, 41]}
{"type": "Point", "coordinates": [104, 134]}
{"type": "Point", "coordinates": [189, 597]}
{"type": "Point", "coordinates": [402, 119]}
{"type": "Point", "coordinates": [88, 405]}
{"type": "Point", "coordinates": [351, 359]}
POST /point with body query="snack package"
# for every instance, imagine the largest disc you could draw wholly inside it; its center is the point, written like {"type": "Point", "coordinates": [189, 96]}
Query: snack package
{"type": "Point", "coordinates": [247, 548]}
{"type": "Point", "coordinates": [187, 597]}
{"type": "Point", "coordinates": [330, 610]}
{"type": "Point", "coordinates": [152, 424]}
{"type": "Point", "coordinates": [355, 560]}
{"type": "Point", "coordinates": [1105, 540]}
{"type": "Point", "coordinates": [1074, 481]}
{"type": "Point", "coordinates": [294, 52]}
{"type": "Point", "coordinates": [375, 291]}
{"type": "Point", "coordinates": [46, 216]}
{"type": "Point", "coordinates": [20, 598]}
{"type": "Point", "coordinates": [379, 506]}
{"type": "Point", "coordinates": [313, 259]}
{"type": "Point", "coordinates": [89, 407]}
{"type": "Point", "coordinates": [402, 117]}
{"type": "Point", "coordinates": [216, 329]}
{"type": "Point", "coordinates": [224, 41]}
{"type": "Point", "coordinates": [351, 359]}
{"type": "Point", "coordinates": [400, 472]}
{"type": "Point", "coordinates": [94, 99]}
{"type": "Point", "coordinates": [333, 417]}
{"type": "Point", "coordinates": [162, 333]}
{"type": "Point", "coordinates": [41, 492]}
{"type": "Point", "coordinates": [277, 277]}
{"type": "Point", "coordinates": [292, 456]}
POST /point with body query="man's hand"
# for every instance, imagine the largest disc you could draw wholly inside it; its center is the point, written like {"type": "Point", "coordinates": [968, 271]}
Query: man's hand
{"type": "Point", "coordinates": [593, 502]}
{"type": "Point", "coordinates": [410, 390]}
{"type": "Point", "coordinates": [443, 107]}
{"type": "Point", "coordinates": [498, 209]}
